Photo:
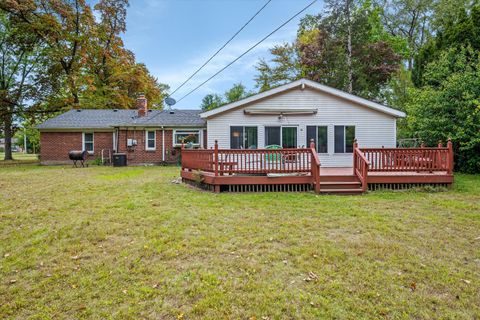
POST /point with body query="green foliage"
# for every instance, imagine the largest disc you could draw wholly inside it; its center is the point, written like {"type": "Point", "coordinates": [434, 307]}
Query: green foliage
{"type": "Point", "coordinates": [211, 101]}
{"type": "Point", "coordinates": [33, 136]}
{"type": "Point", "coordinates": [448, 105]}
{"type": "Point", "coordinates": [320, 52]}
{"type": "Point", "coordinates": [235, 93]}
{"type": "Point", "coordinates": [460, 28]}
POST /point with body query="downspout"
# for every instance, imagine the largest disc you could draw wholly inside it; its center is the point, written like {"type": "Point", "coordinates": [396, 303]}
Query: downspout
{"type": "Point", "coordinates": [163, 144]}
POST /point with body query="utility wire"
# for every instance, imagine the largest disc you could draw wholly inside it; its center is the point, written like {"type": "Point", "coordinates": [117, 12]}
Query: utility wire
{"type": "Point", "coordinates": [250, 49]}
{"type": "Point", "coordinates": [221, 48]}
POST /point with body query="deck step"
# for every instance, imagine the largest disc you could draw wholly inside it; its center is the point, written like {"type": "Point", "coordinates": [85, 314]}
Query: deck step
{"type": "Point", "coordinates": [342, 191]}
{"type": "Point", "coordinates": [338, 178]}
{"type": "Point", "coordinates": [340, 184]}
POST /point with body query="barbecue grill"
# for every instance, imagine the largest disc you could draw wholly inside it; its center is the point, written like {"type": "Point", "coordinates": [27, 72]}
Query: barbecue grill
{"type": "Point", "coordinates": [78, 156]}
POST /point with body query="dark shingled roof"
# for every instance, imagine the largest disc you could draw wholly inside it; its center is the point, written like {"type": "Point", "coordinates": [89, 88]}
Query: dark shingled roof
{"type": "Point", "coordinates": [107, 118]}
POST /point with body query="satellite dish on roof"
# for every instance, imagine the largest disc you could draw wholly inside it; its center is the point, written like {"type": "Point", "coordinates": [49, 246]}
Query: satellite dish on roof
{"type": "Point", "coordinates": [170, 101]}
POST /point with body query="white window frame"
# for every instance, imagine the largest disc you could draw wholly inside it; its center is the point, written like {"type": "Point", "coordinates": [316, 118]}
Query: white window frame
{"type": "Point", "coordinates": [93, 142]}
{"type": "Point", "coordinates": [188, 131]}
{"type": "Point", "coordinates": [154, 140]}
{"type": "Point", "coordinates": [344, 138]}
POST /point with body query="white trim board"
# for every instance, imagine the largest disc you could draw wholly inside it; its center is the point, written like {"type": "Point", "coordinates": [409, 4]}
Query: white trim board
{"type": "Point", "coordinates": [302, 83]}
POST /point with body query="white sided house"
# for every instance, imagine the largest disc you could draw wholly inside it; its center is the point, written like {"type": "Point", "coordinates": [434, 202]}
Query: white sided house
{"type": "Point", "coordinates": [293, 114]}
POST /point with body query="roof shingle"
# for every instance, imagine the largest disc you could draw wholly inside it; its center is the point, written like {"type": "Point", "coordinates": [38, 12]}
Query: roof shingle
{"type": "Point", "coordinates": [108, 118]}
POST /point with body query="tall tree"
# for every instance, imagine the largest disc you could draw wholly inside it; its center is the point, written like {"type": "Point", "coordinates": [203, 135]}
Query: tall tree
{"type": "Point", "coordinates": [448, 105]}
{"type": "Point", "coordinates": [409, 19]}
{"type": "Point", "coordinates": [347, 48]}
{"type": "Point", "coordinates": [21, 54]}
{"type": "Point", "coordinates": [65, 26]}
{"type": "Point", "coordinates": [461, 28]}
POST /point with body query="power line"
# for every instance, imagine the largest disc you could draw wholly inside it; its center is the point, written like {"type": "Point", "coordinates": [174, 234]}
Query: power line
{"type": "Point", "coordinates": [221, 48]}
{"type": "Point", "coordinates": [250, 49]}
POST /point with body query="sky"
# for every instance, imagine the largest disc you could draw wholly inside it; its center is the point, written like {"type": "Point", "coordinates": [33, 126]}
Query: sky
{"type": "Point", "coordinates": [175, 37]}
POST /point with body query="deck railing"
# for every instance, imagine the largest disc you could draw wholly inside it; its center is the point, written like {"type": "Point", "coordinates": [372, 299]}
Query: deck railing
{"type": "Point", "coordinates": [360, 165]}
{"type": "Point", "coordinates": [198, 159]}
{"type": "Point", "coordinates": [222, 162]}
{"type": "Point", "coordinates": [242, 161]}
{"type": "Point", "coordinates": [410, 159]}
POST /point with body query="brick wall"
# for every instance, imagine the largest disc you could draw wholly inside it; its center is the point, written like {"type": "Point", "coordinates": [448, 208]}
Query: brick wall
{"type": "Point", "coordinates": [138, 154]}
{"type": "Point", "coordinates": [56, 145]}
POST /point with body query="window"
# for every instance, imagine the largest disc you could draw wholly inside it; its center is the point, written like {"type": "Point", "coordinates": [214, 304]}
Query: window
{"type": "Point", "coordinates": [272, 136]}
{"type": "Point", "coordinates": [243, 137]}
{"type": "Point", "coordinates": [88, 142]}
{"type": "Point", "coordinates": [344, 136]}
{"type": "Point", "coordinates": [186, 137]}
{"type": "Point", "coordinates": [150, 143]}
{"type": "Point", "coordinates": [282, 136]}
{"type": "Point", "coordinates": [320, 137]}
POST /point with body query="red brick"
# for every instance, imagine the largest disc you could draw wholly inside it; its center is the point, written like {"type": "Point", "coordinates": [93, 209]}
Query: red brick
{"type": "Point", "coordinates": [56, 145]}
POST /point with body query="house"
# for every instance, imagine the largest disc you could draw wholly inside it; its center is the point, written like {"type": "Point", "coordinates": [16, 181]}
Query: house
{"type": "Point", "coordinates": [144, 135]}
{"type": "Point", "coordinates": [293, 114]}
{"type": "Point", "coordinates": [299, 136]}
{"type": "Point", "coordinates": [289, 116]}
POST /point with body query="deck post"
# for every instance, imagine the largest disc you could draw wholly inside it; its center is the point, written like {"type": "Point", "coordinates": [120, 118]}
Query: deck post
{"type": "Point", "coordinates": [450, 156]}
{"type": "Point", "coordinates": [355, 147]}
{"type": "Point", "coordinates": [315, 170]}
{"type": "Point", "coordinates": [215, 154]}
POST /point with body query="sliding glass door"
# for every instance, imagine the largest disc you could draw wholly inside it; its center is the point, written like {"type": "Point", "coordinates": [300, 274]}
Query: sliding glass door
{"type": "Point", "coordinates": [286, 137]}
{"type": "Point", "coordinates": [289, 137]}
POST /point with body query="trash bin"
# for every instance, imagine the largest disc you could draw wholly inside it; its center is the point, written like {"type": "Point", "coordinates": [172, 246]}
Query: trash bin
{"type": "Point", "coordinates": [119, 159]}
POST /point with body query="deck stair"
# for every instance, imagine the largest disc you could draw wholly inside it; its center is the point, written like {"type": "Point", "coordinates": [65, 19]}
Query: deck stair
{"type": "Point", "coordinates": [340, 184]}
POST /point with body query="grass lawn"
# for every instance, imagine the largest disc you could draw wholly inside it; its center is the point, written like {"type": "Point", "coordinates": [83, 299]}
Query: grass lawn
{"type": "Point", "coordinates": [19, 158]}
{"type": "Point", "coordinates": [126, 243]}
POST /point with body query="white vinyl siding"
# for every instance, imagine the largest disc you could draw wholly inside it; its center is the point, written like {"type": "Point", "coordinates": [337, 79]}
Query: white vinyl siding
{"type": "Point", "coordinates": [372, 128]}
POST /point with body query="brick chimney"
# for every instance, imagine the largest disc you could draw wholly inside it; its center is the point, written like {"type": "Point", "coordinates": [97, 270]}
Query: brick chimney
{"type": "Point", "coordinates": [142, 105]}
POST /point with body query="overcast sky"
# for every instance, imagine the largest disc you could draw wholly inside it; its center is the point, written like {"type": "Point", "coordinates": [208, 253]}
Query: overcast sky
{"type": "Point", "coordinates": [174, 37]}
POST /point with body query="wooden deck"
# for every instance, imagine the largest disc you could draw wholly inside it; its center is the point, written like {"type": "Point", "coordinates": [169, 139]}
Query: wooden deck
{"type": "Point", "coordinates": [301, 170]}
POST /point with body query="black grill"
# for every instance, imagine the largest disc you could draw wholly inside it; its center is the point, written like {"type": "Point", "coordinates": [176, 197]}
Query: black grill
{"type": "Point", "coordinates": [78, 156]}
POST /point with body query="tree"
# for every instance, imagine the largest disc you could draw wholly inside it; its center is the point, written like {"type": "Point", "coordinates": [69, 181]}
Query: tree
{"type": "Point", "coordinates": [460, 29]}
{"type": "Point", "coordinates": [65, 26]}
{"type": "Point", "coordinates": [21, 54]}
{"type": "Point", "coordinates": [284, 67]}
{"type": "Point", "coordinates": [86, 57]}
{"type": "Point", "coordinates": [448, 105]}
{"type": "Point", "coordinates": [347, 48]}
{"type": "Point", "coordinates": [408, 19]}
{"type": "Point", "coordinates": [211, 101]}
{"type": "Point", "coordinates": [235, 93]}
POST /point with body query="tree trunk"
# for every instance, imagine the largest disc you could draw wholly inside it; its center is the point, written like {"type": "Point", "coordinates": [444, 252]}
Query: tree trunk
{"type": "Point", "coordinates": [8, 135]}
{"type": "Point", "coordinates": [349, 46]}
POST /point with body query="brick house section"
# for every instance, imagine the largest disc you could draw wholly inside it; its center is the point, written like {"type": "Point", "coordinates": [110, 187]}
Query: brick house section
{"type": "Point", "coordinates": [56, 145]}
{"type": "Point", "coordinates": [140, 155]}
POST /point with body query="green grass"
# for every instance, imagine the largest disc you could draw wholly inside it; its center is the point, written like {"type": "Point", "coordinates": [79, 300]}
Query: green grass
{"type": "Point", "coordinates": [19, 158]}
{"type": "Point", "coordinates": [126, 243]}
